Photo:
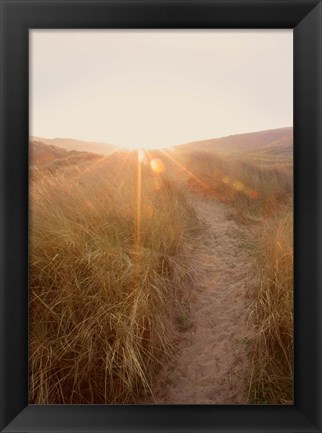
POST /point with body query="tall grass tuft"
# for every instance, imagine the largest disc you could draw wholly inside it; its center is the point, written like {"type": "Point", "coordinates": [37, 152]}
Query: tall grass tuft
{"type": "Point", "coordinates": [272, 314]}
{"type": "Point", "coordinates": [103, 275]}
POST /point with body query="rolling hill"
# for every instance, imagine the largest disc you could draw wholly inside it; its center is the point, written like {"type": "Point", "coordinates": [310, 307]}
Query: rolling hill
{"type": "Point", "coordinates": [273, 141]}
{"type": "Point", "coordinates": [78, 145]}
{"type": "Point", "coordinates": [47, 156]}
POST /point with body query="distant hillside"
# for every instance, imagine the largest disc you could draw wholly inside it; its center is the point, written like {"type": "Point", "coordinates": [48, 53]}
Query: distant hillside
{"type": "Point", "coordinates": [79, 145]}
{"type": "Point", "coordinates": [51, 157]}
{"type": "Point", "coordinates": [273, 141]}
{"type": "Point", "coordinates": [41, 153]}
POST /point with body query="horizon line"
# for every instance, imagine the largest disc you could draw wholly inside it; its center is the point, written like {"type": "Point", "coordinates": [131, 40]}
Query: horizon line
{"type": "Point", "coordinates": [158, 147]}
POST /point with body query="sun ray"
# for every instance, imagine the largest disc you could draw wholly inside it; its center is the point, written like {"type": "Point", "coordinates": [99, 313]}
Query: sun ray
{"type": "Point", "coordinates": [123, 167]}
{"type": "Point", "coordinates": [96, 164]}
{"type": "Point", "coordinates": [199, 181]}
{"type": "Point", "coordinates": [138, 207]}
{"type": "Point", "coordinates": [148, 154]}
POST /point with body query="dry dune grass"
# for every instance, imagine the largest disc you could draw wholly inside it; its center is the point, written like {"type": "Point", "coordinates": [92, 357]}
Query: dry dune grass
{"type": "Point", "coordinates": [272, 313]}
{"type": "Point", "coordinates": [262, 194]}
{"type": "Point", "coordinates": [102, 280]}
{"type": "Point", "coordinates": [254, 190]}
{"type": "Point", "coordinates": [107, 266]}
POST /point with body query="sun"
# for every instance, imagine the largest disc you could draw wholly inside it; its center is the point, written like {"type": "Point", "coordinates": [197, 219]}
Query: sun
{"type": "Point", "coordinates": [145, 148]}
{"type": "Point", "coordinates": [156, 164]}
{"type": "Point", "coordinates": [141, 155]}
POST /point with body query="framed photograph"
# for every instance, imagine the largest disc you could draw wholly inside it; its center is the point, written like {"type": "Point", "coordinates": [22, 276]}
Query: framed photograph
{"type": "Point", "coordinates": [160, 216]}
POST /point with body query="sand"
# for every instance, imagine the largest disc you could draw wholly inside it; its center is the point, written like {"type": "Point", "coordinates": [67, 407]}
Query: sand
{"type": "Point", "coordinates": [210, 365]}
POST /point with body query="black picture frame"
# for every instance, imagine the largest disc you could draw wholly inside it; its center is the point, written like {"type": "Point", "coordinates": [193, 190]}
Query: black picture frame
{"type": "Point", "coordinates": [17, 17]}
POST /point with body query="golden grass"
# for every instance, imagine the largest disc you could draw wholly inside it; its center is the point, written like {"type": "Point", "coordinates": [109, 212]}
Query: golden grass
{"type": "Point", "coordinates": [261, 195]}
{"type": "Point", "coordinates": [107, 265]}
{"type": "Point", "coordinates": [272, 313]}
{"type": "Point", "coordinates": [254, 190]}
{"type": "Point", "coordinates": [100, 292]}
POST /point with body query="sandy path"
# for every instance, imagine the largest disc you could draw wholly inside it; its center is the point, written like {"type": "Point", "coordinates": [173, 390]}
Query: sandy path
{"type": "Point", "coordinates": [211, 362]}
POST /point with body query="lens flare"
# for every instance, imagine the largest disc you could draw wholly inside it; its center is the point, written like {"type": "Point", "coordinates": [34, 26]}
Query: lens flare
{"type": "Point", "coordinates": [239, 186]}
{"type": "Point", "coordinates": [254, 194]}
{"type": "Point", "coordinates": [157, 183]}
{"type": "Point", "coordinates": [157, 165]}
{"type": "Point", "coordinates": [138, 209]}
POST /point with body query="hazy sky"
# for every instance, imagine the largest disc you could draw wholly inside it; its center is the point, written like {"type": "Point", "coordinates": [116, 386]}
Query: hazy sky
{"type": "Point", "coordinates": [155, 88]}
